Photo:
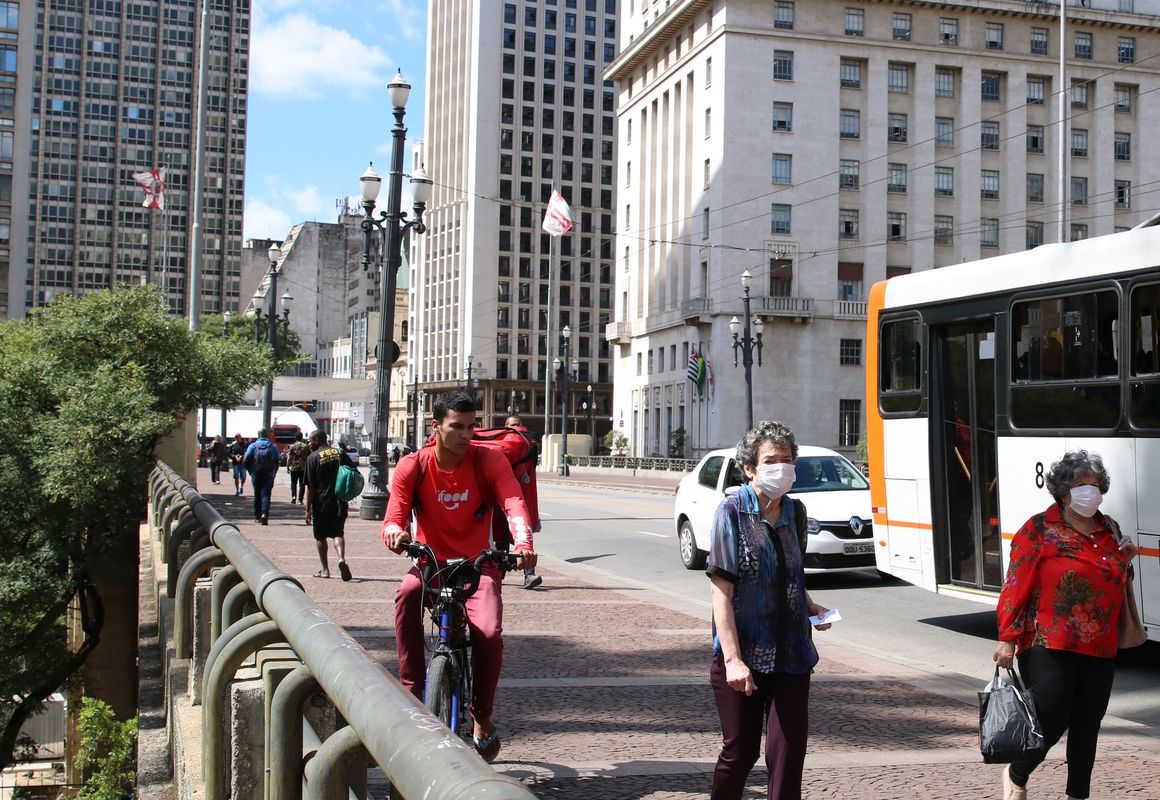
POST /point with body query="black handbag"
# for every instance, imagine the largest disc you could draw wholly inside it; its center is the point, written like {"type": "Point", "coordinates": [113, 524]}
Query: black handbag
{"type": "Point", "coordinates": [1009, 728]}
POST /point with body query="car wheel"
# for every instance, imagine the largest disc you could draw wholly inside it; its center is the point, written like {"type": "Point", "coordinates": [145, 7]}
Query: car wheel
{"type": "Point", "coordinates": [691, 557]}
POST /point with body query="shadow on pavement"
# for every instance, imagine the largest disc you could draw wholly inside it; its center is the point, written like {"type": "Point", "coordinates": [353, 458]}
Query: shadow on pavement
{"type": "Point", "coordinates": [980, 624]}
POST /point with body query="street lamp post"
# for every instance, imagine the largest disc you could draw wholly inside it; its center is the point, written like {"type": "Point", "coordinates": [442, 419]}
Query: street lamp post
{"type": "Point", "coordinates": [564, 368]}
{"type": "Point", "coordinates": [226, 317]}
{"type": "Point", "coordinates": [390, 226]}
{"type": "Point", "coordinates": [589, 405]}
{"type": "Point", "coordinates": [272, 320]}
{"type": "Point", "coordinates": [747, 343]}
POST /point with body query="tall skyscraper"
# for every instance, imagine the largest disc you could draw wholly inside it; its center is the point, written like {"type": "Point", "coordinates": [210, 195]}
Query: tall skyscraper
{"type": "Point", "coordinates": [516, 106]}
{"type": "Point", "coordinates": [92, 92]}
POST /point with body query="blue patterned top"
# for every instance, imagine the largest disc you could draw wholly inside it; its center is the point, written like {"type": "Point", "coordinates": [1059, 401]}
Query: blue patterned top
{"type": "Point", "coordinates": [765, 565]}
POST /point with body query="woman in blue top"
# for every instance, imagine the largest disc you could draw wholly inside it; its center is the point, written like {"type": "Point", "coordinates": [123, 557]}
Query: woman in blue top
{"type": "Point", "coordinates": [762, 640]}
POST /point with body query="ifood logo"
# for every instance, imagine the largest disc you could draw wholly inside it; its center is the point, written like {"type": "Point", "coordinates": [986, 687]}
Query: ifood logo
{"type": "Point", "coordinates": [451, 501]}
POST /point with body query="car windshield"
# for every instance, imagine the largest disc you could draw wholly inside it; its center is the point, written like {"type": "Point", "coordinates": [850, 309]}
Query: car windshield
{"type": "Point", "coordinates": [826, 474]}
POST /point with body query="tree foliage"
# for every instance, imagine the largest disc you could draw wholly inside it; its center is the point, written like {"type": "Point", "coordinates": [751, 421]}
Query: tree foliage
{"type": "Point", "coordinates": [88, 386]}
{"type": "Point", "coordinates": [106, 752]}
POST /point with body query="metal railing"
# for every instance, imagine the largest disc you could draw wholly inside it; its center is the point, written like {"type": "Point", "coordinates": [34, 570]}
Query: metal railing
{"type": "Point", "coordinates": [385, 723]}
{"type": "Point", "coordinates": [625, 462]}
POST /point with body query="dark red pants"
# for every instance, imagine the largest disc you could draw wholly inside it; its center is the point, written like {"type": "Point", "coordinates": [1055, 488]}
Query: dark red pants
{"type": "Point", "coordinates": [780, 706]}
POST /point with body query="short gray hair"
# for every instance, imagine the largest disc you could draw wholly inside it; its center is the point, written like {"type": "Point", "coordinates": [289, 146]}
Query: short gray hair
{"type": "Point", "coordinates": [1065, 473]}
{"type": "Point", "coordinates": [778, 433]}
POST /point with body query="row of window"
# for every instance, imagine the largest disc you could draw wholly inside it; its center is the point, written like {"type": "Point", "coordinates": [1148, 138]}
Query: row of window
{"type": "Point", "coordinates": [566, 274]}
{"type": "Point", "coordinates": [550, 46]}
{"type": "Point", "coordinates": [523, 371]}
{"type": "Point", "coordinates": [552, 19]}
{"type": "Point", "coordinates": [548, 144]}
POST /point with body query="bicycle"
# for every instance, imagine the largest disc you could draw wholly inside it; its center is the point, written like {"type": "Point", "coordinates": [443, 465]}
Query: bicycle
{"type": "Point", "coordinates": [449, 675]}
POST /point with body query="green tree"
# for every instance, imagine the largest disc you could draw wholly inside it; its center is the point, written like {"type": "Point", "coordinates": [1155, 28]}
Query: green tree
{"type": "Point", "coordinates": [106, 752]}
{"type": "Point", "coordinates": [615, 441]}
{"type": "Point", "coordinates": [88, 386]}
{"type": "Point", "coordinates": [677, 442]}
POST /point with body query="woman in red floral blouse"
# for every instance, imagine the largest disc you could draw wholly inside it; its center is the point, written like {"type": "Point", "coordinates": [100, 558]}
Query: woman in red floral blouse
{"type": "Point", "coordinates": [1058, 610]}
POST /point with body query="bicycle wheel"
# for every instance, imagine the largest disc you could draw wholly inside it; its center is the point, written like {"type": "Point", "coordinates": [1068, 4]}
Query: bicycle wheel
{"type": "Point", "coordinates": [441, 696]}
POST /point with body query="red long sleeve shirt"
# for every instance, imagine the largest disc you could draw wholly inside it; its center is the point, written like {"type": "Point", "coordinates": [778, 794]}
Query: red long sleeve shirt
{"type": "Point", "coordinates": [449, 499]}
{"type": "Point", "coordinates": [1064, 589]}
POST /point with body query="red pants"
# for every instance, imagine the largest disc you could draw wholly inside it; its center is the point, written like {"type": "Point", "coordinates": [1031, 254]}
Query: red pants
{"type": "Point", "coordinates": [485, 622]}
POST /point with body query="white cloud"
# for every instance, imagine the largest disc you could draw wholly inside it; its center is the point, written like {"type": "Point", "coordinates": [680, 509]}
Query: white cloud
{"type": "Point", "coordinates": [409, 19]}
{"type": "Point", "coordinates": [299, 56]}
{"type": "Point", "coordinates": [265, 221]}
{"type": "Point", "coordinates": [273, 216]}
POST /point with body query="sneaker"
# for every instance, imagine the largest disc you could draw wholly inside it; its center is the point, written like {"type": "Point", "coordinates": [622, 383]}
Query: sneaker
{"type": "Point", "coordinates": [1010, 790]}
{"type": "Point", "coordinates": [293, 500]}
{"type": "Point", "coordinates": [264, 519]}
{"type": "Point", "coordinates": [532, 581]}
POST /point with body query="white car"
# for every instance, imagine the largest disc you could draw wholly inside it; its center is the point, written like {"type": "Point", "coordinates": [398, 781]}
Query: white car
{"type": "Point", "coordinates": [835, 493]}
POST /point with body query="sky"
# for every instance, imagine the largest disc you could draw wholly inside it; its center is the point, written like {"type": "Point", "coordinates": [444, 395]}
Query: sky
{"type": "Point", "coordinates": [319, 111]}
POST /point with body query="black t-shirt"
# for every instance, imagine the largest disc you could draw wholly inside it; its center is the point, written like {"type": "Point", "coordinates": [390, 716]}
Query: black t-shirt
{"type": "Point", "coordinates": [321, 473]}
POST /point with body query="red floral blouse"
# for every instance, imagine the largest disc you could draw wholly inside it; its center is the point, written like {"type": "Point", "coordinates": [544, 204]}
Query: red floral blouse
{"type": "Point", "coordinates": [1064, 589]}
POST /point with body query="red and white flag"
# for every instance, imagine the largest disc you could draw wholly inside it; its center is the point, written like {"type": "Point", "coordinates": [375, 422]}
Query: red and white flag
{"type": "Point", "coordinates": [558, 216]}
{"type": "Point", "coordinates": [153, 182]}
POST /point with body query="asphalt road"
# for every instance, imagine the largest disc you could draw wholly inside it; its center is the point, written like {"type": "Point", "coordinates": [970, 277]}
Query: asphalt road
{"type": "Point", "coordinates": [630, 535]}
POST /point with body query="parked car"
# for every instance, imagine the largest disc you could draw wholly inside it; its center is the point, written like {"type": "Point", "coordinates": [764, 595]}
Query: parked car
{"type": "Point", "coordinates": [836, 496]}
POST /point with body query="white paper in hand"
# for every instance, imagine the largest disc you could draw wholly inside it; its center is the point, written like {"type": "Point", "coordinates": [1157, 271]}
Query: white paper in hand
{"type": "Point", "coordinates": [830, 616]}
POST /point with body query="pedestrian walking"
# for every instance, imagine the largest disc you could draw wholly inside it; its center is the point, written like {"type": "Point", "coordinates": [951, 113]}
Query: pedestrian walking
{"type": "Point", "coordinates": [324, 511]}
{"type": "Point", "coordinates": [261, 460]}
{"type": "Point", "coordinates": [216, 454]}
{"type": "Point", "coordinates": [237, 457]}
{"type": "Point", "coordinates": [1058, 614]}
{"type": "Point", "coordinates": [296, 456]}
{"type": "Point", "coordinates": [763, 649]}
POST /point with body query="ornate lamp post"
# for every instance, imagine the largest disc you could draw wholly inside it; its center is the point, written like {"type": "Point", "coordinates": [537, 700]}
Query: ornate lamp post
{"type": "Point", "coordinates": [589, 405]}
{"type": "Point", "coordinates": [390, 227]}
{"type": "Point", "coordinates": [272, 320]}
{"type": "Point", "coordinates": [565, 372]}
{"type": "Point", "coordinates": [746, 343]}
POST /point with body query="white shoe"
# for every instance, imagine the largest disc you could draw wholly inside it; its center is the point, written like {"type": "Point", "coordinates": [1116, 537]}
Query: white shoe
{"type": "Point", "coordinates": [1010, 790]}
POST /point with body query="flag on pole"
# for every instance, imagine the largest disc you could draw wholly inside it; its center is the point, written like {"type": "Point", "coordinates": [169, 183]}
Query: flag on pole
{"type": "Point", "coordinates": [708, 379]}
{"type": "Point", "coordinates": [558, 215]}
{"type": "Point", "coordinates": [696, 371]}
{"type": "Point", "coordinates": [153, 182]}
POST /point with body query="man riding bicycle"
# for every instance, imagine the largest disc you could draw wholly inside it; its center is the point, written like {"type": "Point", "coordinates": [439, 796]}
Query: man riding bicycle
{"type": "Point", "coordinates": [451, 487]}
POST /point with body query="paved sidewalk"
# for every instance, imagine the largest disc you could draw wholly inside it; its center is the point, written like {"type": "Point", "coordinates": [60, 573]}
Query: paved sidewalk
{"type": "Point", "coordinates": [605, 692]}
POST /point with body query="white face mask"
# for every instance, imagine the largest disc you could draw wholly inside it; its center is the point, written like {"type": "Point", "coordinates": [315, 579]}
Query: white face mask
{"type": "Point", "coordinates": [1085, 500]}
{"type": "Point", "coordinates": [774, 480]}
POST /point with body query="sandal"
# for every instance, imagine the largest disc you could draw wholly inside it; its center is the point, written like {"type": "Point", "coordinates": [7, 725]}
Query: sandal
{"type": "Point", "coordinates": [488, 748]}
{"type": "Point", "coordinates": [320, 575]}
{"type": "Point", "coordinates": [344, 570]}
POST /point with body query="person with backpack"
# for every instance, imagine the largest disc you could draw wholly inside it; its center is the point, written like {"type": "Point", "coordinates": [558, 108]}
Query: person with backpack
{"type": "Point", "coordinates": [216, 453]}
{"type": "Point", "coordinates": [261, 459]}
{"type": "Point", "coordinates": [237, 454]}
{"type": "Point", "coordinates": [451, 486]}
{"type": "Point", "coordinates": [296, 455]}
{"type": "Point", "coordinates": [325, 510]}
{"type": "Point", "coordinates": [525, 472]}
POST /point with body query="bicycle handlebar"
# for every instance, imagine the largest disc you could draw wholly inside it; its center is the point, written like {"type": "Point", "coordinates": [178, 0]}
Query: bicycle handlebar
{"type": "Point", "coordinates": [463, 589]}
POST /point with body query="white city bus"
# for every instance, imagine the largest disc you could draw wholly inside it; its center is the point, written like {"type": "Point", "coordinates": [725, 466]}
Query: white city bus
{"type": "Point", "coordinates": [980, 375]}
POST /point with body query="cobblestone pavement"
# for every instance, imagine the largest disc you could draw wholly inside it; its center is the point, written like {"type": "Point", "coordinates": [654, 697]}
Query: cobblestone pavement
{"type": "Point", "coordinates": [605, 692]}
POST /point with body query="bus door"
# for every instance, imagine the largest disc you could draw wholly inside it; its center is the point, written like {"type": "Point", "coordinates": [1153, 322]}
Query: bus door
{"type": "Point", "coordinates": [966, 517]}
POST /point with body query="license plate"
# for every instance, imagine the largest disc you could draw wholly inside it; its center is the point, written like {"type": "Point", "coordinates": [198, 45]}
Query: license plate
{"type": "Point", "coordinates": [857, 548]}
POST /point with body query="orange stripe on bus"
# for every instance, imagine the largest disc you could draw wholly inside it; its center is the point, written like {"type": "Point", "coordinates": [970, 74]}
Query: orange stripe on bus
{"type": "Point", "coordinates": [922, 526]}
{"type": "Point", "coordinates": [875, 439]}
{"type": "Point", "coordinates": [1150, 551]}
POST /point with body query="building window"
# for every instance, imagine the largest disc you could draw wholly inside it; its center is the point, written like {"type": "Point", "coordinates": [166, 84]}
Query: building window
{"type": "Point", "coordinates": [1039, 41]}
{"type": "Point", "coordinates": [1123, 194]}
{"type": "Point", "coordinates": [783, 117]}
{"type": "Point", "coordinates": [782, 168]}
{"type": "Point", "coordinates": [989, 184]}
{"type": "Point", "coordinates": [944, 230]}
{"type": "Point", "coordinates": [944, 82]}
{"type": "Point", "coordinates": [783, 16]}
{"type": "Point", "coordinates": [989, 136]}
{"type": "Point", "coordinates": [1123, 146]}
{"type": "Point", "coordinates": [708, 122]}
{"type": "Point", "coordinates": [850, 352]}
{"type": "Point", "coordinates": [1126, 50]}
{"type": "Point", "coordinates": [1123, 97]}
{"type": "Point", "coordinates": [944, 181]}
{"type": "Point", "coordinates": [855, 22]}
{"type": "Point", "coordinates": [850, 73]}
{"type": "Point", "coordinates": [1034, 138]}
{"type": "Point", "coordinates": [1083, 45]}
{"type": "Point", "coordinates": [902, 27]}
{"type": "Point", "coordinates": [783, 65]}
{"type": "Point", "coordinates": [708, 72]}
{"type": "Point", "coordinates": [899, 78]}
{"type": "Point", "coordinates": [707, 173]}
{"type": "Point", "coordinates": [1078, 232]}
{"type": "Point", "coordinates": [780, 216]}
{"type": "Point", "coordinates": [1035, 91]}
{"type": "Point", "coordinates": [944, 131]}
{"type": "Point", "coordinates": [1079, 95]}
{"type": "Point", "coordinates": [948, 31]}
{"type": "Point", "coordinates": [1034, 234]}
{"type": "Point", "coordinates": [896, 178]}
{"type": "Point", "coordinates": [850, 123]}
{"type": "Point", "coordinates": [994, 35]}
{"type": "Point", "coordinates": [1128, 5]}
{"type": "Point", "coordinates": [896, 127]}
{"type": "Point", "coordinates": [988, 232]}
{"type": "Point", "coordinates": [704, 228]}
{"type": "Point", "coordinates": [1035, 187]}
{"type": "Point", "coordinates": [1079, 191]}
{"type": "Point", "coordinates": [990, 86]}
{"type": "Point", "coordinates": [896, 226]}
{"type": "Point", "coordinates": [849, 422]}
{"type": "Point", "coordinates": [1079, 142]}
{"type": "Point", "coordinates": [847, 223]}
{"type": "Point", "coordinates": [850, 281]}
{"type": "Point", "coordinates": [780, 277]}
{"type": "Point", "coordinates": [848, 170]}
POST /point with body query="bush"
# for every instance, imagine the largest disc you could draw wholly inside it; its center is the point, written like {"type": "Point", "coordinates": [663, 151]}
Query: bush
{"type": "Point", "coordinates": [107, 751]}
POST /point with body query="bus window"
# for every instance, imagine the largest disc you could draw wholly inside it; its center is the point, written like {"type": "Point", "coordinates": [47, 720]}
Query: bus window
{"type": "Point", "coordinates": [1145, 327]}
{"type": "Point", "coordinates": [900, 367]}
{"type": "Point", "coordinates": [1065, 362]}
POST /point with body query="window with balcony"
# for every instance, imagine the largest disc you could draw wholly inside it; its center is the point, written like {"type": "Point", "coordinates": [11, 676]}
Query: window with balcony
{"type": "Point", "coordinates": [850, 281]}
{"type": "Point", "coordinates": [780, 277]}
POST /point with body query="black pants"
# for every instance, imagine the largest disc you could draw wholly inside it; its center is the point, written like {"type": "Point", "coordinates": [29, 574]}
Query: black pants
{"type": "Point", "coordinates": [1071, 694]}
{"type": "Point", "coordinates": [297, 485]}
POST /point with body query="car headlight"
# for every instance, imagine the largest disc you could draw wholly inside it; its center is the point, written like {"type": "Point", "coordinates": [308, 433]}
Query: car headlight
{"type": "Point", "coordinates": [812, 525]}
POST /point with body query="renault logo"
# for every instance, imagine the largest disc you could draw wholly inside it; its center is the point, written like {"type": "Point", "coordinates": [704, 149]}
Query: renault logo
{"type": "Point", "coordinates": [856, 525]}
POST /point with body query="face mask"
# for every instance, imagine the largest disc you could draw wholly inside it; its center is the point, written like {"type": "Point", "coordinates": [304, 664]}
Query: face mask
{"type": "Point", "coordinates": [774, 480]}
{"type": "Point", "coordinates": [1085, 500]}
